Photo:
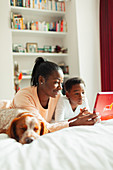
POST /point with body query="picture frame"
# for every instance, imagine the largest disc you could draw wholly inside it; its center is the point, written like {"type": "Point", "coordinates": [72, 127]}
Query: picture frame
{"type": "Point", "coordinates": [31, 47]}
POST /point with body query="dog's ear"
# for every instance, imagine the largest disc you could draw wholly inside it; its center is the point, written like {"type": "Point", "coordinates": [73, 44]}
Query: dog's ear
{"type": "Point", "coordinates": [12, 130]}
{"type": "Point", "coordinates": [43, 129]}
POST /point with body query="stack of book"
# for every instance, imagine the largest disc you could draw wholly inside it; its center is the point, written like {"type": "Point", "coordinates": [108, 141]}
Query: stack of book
{"type": "Point", "coordinates": [40, 4]}
{"type": "Point", "coordinates": [18, 22]}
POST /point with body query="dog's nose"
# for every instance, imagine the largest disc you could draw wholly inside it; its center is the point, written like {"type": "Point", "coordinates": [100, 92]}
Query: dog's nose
{"type": "Point", "coordinates": [29, 140]}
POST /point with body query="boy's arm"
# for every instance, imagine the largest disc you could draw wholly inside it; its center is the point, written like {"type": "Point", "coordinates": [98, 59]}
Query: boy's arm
{"type": "Point", "coordinates": [60, 110]}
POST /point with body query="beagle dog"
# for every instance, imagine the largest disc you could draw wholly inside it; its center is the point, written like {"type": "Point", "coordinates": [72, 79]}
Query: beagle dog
{"type": "Point", "coordinates": [25, 127]}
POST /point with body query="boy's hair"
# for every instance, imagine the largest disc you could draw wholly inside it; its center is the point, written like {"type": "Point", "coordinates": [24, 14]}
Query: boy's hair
{"type": "Point", "coordinates": [42, 68]}
{"type": "Point", "coordinates": [72, 81]}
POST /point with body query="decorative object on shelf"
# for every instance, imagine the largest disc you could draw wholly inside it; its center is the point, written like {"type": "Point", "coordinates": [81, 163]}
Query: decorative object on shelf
{"type": "Point", "coordinates": [40, 50]}
{"type": "Point", "coordinates": [65, 68]}
{"type": "Point", "coordinates": [64, 50]}
{"type": "Point", "coordinates": [55, 49]}
{"type": "Point", "coordinates": [59, 49]}
{"type": "Point", "coordinates": [17, 77]}
{"type": "Point", "coordinates": [26, 72]}
{"type": "Point", "coordinates": [47, 48]}
{"type": "Point", "coordinates": [16, 68]}
{"type": "Point", "coordinates": [31, 47]}
{"type": "Point", "coordinates": [19, 48]}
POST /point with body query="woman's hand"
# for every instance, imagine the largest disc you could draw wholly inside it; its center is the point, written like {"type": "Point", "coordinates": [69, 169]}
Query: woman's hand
{"type": "Point", "coordinates": [84, 118]}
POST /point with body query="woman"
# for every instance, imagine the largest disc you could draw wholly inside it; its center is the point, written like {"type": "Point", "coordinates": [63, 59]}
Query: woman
{"type": "Point", "coordinates": [42, 96]}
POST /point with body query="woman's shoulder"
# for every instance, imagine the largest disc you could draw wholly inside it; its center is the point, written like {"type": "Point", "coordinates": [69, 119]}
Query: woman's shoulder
{"type": "Point", "coordinates": [29, 89]}
{"type": "Point", "coordinates": [24, 97]}
{"type": "Point", "coordinates": [26, 93]}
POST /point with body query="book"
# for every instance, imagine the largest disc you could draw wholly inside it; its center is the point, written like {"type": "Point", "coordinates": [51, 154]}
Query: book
{"type": "Point", "coordinates": [62, 6]}
{"type": "Point", "coordinates": [18, 21]}
{"type": "Point", "coordinates": [61, 27]}
{"type": "Point", "coordinates": [43, 4]}
{"type": "Point", "coordinates": [24, 3]}
{"type": "Point", "coordinates": [31, 3]}
{"type": "Point", "coordinates": [19, 3]}
{"type": "Point", "coordinates": [36, 25]}
{"type": "Point", "coordinates": [36, 4]}
{"type": "Point", "coordinates": [49, 5]}
{"type": "Point", "coordinates": [12, 2]}
{"type": "Point", "coordinates": [53, 5]}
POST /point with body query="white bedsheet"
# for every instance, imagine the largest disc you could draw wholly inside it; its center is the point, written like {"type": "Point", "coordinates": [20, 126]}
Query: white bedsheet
{"type": "Point", "coordinates": [76, 148]}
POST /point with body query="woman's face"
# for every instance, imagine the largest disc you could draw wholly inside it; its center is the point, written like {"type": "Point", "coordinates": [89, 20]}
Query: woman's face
{"type": "Point", "coordinates": [53, 84]}
{"type": "Point", "coordinates": [76, 95]}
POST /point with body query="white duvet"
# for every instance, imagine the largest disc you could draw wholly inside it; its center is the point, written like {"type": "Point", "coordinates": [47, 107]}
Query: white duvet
{"type": "Point", "coordinates": [76, 148]}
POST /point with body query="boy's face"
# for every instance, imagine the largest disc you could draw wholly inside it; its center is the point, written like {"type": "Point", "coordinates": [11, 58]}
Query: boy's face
{"type": "Point", "coordinates": [76, 95]}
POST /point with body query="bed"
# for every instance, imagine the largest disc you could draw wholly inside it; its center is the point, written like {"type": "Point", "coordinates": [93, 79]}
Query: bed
{"type": "Point", "coordinates": [73, 148]}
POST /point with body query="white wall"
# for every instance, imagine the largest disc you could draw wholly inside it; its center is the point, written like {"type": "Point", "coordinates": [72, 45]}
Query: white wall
{"type": "Point", "coordinates": [87, 13]}
{"type": "Point", "coordinates": [71, 39]}
{"type": "Point", "coordinates": [82, 40]}
{"type": "Point", "coordinates": [6, 63]}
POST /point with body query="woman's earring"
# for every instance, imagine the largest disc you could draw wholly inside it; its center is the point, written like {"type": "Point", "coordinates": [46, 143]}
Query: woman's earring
{"type": "Point", "coordinates": [41, 83]}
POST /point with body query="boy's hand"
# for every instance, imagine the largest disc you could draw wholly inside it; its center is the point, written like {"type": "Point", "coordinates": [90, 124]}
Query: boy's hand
{"type": "Point", "coordinates": [83, 118]}
{"type": "Point", "coordinates": [84, 111]}
{"type": "Point", "coordinates": [86, 119]}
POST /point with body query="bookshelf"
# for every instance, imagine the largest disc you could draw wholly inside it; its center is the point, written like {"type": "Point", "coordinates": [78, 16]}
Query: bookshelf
{"type": "Point", "coordinates": [33, 11]}
{"type": "Point", "coordinates": [49, 38]}
{"type": "Point", "coordinates": [40, 54]}
{"type": "Point", "coordinates": [28, 77]}
{"type": "Point", "coordinates": [39, 33]}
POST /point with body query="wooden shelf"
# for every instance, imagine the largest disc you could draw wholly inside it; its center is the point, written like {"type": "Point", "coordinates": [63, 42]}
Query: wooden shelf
{"type": "Point", "coordinates": [41, 54]}
{"type": "Point", "coordinates": [38, 33]}
{"type": "Point", "coordinates": [33, 11]}
{"type": "Point", "coordinates": [28, 77]}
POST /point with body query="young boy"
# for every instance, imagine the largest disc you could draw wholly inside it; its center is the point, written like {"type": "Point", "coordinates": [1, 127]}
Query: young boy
{"type": "Point", "coordinates": [69, 106]}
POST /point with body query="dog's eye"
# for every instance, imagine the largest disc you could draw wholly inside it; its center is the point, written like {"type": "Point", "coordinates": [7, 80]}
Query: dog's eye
{"type": "Point", "coordinates": [35, 129]}
{"type": "Point", "coordinates": [24, 128]}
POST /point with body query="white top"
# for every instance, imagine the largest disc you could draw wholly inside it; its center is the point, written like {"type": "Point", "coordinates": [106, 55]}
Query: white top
{"type": "Point", "coordinates": [64, 110]}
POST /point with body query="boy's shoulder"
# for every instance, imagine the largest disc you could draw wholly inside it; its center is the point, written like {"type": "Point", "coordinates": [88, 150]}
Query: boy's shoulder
{"type": "Point", "coordinates": [63, 98]}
